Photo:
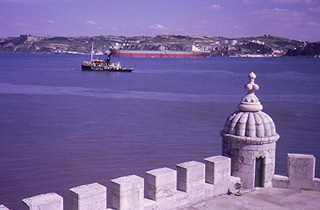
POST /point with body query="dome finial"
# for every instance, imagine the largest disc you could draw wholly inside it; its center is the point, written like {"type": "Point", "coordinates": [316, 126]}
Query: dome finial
{"type": "Point", "coordinates": [251, 86]}
{"type": "Point", "coordinates": [250, 103]}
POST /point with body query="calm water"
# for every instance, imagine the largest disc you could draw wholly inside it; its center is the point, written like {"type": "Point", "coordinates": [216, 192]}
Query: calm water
{"type": "Point", "coordinates": [61, 128]}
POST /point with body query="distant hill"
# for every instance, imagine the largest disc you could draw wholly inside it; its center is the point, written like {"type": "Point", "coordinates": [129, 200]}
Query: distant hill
{"type": "Point", "coordinates": [309, 50]}
{"type": "Point", "coordinates": [266, 45]}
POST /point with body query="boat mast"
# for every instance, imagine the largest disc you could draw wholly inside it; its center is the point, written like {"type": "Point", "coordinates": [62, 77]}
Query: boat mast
{"type": "Point", "coordinates": [92, 52]}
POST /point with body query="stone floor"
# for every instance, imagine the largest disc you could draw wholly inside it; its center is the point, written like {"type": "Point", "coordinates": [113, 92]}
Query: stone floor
{"type": "Point", "coordinates": [263, 199]}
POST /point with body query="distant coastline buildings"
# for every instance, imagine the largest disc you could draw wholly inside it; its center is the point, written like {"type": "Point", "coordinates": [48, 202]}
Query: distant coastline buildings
{"type": "Point", "coordinates": [262, 46]}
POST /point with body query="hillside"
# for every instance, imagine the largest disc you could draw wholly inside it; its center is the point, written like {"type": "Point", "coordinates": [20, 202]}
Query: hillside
{"type": "Point", "coordinates": [266, 45]}
{"type": "Point", "coordinates": [309, 50]}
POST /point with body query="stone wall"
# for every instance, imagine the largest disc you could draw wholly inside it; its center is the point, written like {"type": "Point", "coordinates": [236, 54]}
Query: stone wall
{"type": "Point", "coordinates": [161, 189]}
{"type": "Point", "coordinates": [300, 173]}
{"type": "Point", "coordinates": [165, 188]}
{"type": "Point", "coordinates": [243, 161]}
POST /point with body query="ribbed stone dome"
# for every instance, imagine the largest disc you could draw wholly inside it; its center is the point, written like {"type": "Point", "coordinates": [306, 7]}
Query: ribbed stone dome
{"type": "Point", "coordinates": [249, 123]}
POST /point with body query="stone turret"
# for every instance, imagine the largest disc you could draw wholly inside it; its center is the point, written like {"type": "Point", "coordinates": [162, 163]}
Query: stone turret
{"type": "Point", "coordinates": [249, 139]}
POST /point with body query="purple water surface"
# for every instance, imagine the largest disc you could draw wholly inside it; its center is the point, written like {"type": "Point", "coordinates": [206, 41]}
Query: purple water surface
{"type": "Point", "coordinates": [61, 128]}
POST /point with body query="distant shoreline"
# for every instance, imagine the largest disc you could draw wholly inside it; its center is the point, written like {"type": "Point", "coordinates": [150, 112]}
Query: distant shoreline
{"type": "Point", "coordinates": [261, 46]}
{"type": "Point", "coordinates": [242, 56]}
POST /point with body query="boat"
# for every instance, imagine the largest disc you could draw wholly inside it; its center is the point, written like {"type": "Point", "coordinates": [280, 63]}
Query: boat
{"type": "Point", "coordinates": [194, 53]}
{"type": "Point", "coordinates": [103, 65]}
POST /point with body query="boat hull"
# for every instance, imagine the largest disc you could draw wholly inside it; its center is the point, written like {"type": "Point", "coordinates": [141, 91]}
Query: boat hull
{"type": "Point", "coordinates": [103, 68]}
{"type": "Point", "coordinates": [158, 54]}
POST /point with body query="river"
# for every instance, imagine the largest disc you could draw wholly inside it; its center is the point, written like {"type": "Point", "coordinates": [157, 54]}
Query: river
{"type": "Point", "coordinates": [61, 127]}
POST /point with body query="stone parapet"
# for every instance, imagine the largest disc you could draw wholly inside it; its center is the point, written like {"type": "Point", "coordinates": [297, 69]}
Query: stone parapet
{"type": "Point", "coordinates": [166, 188]}
{"type": "Point", "coordinates": [48, 201]}
{"type": "Point", "coordinates": [89, 197]}
{"type": "Point", "coordinates": [127, 193]}
{"type": "Point", "coordinates": [316, 182]}
{"type": "Point", "coordinates": [191, 180]}
{"type": "Point", "coordinates": [218, 176]}
{"type": "Point", "coordinates": [161, 189]}
{"type": "Point", "coordinates": [218, 169]}
{"type": "Point", "coordinates": [161, 186]}
{"type": "Point", "coordinates": [300, 173]}
{"type": "Point", "coordinates": [280, 181]}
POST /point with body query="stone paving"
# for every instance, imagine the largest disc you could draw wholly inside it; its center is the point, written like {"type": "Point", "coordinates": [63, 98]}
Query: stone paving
{"type": "Point", "coordinates": [263, 199]}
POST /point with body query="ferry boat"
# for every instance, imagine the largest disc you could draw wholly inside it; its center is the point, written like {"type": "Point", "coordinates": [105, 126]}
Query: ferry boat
{"type": "Point", "coordinates": [103, 65]}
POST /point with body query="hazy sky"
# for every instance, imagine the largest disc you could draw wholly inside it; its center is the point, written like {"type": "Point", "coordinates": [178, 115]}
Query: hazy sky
{"type": "Point", "coordinates": [294, 19]}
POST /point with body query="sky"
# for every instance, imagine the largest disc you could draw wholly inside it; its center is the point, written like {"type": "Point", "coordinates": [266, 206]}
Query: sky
{"type": "Point", "coordinates": [293, 19]}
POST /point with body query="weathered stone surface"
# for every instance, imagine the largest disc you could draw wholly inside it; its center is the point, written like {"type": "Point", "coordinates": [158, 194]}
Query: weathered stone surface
{"type": "Point", "coordinates": [218, 169]}
{"type": "Point", "coordinates": [161, 186]}
{"type": "Point", "coordinates": [2, 207]}
{"type": "Point", "coordinates": [235, 184]}
{"type": "Point", "coordinates": [268, 174]}
{"type": "Point", "coordinates": [127, 193]}
{"type": "Point", "coordinates": [222, 188]}
{"type": "Point", "coordinates": [244, 160]}
{"type": "Point", "coordinates": [49, 201]}
{"type": "Point", "coordinates": [258, 126]}
{"type": "Point", "coordinates": [247, 179]}
{"type": "Point", "coordinates": [181, 198]}
{"type": "Point", "coordinates": [301, 170]}
{"type": "Point", "coordinates": [209, 190]}
{"type": "Point", "coordinates": [246, 168]}
{"type": "Point", "coordinates": [218, 178]}
{"type": "Point", "coordinates": [280, 181]}
{"type": "Point", "coordinates": [301, 166]}
{"type": "Point", "coordinates": [149, 204]}
{"type": "Point", "coordinates": [191, 179]}
{"type": "Point", "coordinates": [316, 182]}
{"type": "Point", "coordinates": [190, 175]}
{"type": "Point", "coordinates": [89, 197]}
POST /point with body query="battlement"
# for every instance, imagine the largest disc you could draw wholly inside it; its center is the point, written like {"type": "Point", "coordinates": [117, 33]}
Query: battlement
{"type": "Point", "coordinates": [165, 188]}
{"type": "Point", "coordinates": [300, 173]}
{"type": "Point", "coordinates": [162, 188]}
